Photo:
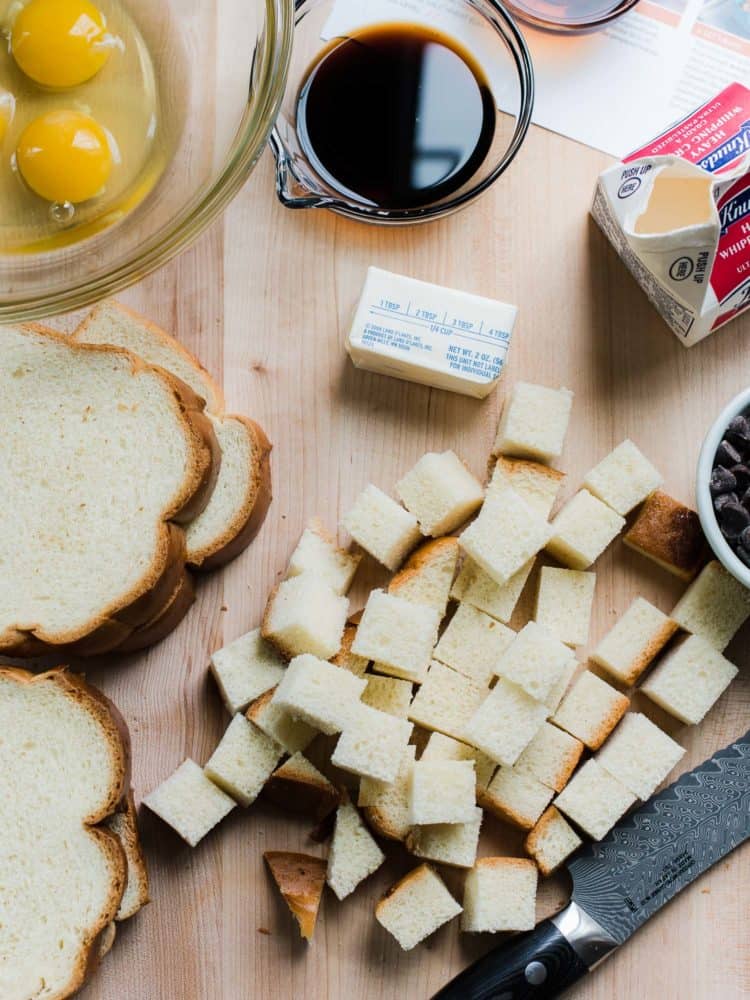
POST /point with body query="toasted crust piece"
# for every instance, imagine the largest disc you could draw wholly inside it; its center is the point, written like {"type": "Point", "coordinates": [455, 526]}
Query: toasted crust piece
{"type": "Point", "coordinates": [345, 658]}
{"type": "Point", "coordinates": [300, 787]}
{"type": "Point", "coordinates": [427, 574]}
{"type": "Point", "coordinates": [300, 878]}
{"type": "Point", "coordinates": [551, 841]}
{"type": "Point", "coordinates": [670, 534]}
{"type": "Point", "coordinates": [124, 825]}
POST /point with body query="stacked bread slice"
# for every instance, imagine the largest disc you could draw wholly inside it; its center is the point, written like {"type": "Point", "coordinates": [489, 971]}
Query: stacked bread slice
{"type": "Point", "coordinates": [119, 477]}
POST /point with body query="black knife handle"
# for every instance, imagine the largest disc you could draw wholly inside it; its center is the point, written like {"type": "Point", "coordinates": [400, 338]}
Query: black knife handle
{"type": "Point", "coordinates": [539, 965]}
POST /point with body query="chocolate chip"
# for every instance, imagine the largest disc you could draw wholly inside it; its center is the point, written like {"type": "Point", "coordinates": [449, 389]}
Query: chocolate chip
{"type": "Point", "coordinates": [727, 455]}
{"type": "Point", "coordinates": [744, 539]}
{"type": "Point", "coordinates": [738, 432]}
{"type": "Point", "coordinates": [722, 481]}
{"type": "Point", "coordinates": [742, 474]}
{"type": "Point", "coordinates": [733, 519]}
{"type": "Point", "coordinates": [745, 499]}
{"type": "Point", "coordinates": [725, 498]}
{"type": "Point", "coordinates": [743, 554]}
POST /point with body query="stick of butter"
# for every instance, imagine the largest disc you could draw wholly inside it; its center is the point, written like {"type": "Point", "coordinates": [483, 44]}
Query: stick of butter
{"type": "Point", "coordinates": [425, 333]}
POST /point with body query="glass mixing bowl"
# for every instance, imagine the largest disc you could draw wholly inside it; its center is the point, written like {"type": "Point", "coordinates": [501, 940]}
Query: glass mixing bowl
{"type": "Point", "coordinates": [221, 69]}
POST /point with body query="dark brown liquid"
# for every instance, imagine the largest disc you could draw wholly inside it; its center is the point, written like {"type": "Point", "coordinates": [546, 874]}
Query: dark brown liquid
{"type": "Point", "coordinates": [397, 116]}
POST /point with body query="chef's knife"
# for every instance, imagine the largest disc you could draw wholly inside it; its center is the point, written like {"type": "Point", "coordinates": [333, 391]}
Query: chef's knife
{"type": "Point", "coordinates": [621, 881]}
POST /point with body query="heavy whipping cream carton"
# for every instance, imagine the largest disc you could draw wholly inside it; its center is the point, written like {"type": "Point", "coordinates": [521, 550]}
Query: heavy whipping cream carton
{"type": "Point", "coordinates": [677, 212]}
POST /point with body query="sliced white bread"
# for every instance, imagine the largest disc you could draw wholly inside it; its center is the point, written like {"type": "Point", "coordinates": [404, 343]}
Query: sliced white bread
{"type": "Point", "coordinates": [320, 694]}
{"type": "Point", "coordinates": [639, 755]}
{"type": "Point", "coordinates": [591, 710]}
{"type": "Point", "coordinates": [441, 747]}
{"type": "Point", "coordinates": [453, 844]}
{"type": "Point", "coordinates": [516, 797]}
{"type": "Point", "coordinates": [416, 906]}
{"type": "Point", "coordinates": [446, 701]}
{"type": "Point", "coordinates": [298, 786]}
{"type": "Point", "coordinates": [594, 800]}
{"type": "Point", "coordinates": [354, 854]}
{"type": "Point", "coordinates": [670, 534]}
{"type": "Point", "coordinates": [474, 586]}
{"type": "Point", "coordinates": [348, 660]}
{"type": "Point", "coordinates": [398, 635]}
{"type": "Point", "coordinates": [624, 478]}
{"type": "Point", "coordinates": [714, 606]}
{"type": "Point", "coordinates": [372, 744]}
{"type": "Point", "coordinates": [442, 791]}
{"type": "Point", "coordinates": [689, 679]}
{"type": "Point", "coordinates": [440, 492]}
{"type": "Point", "coordinates": [386, 805]}
{"type": "Point", "coordinates": [505, 535]}
{"type": "Point", "coordinates": [505, 722]}
{"type": "Point", "coordinates": [473, 643]}
{"type": "Point", "coordinates": [551, 757]}
{"type": "Point", "coordinates": [301, 879]}
{"type": "Point", "coordinates": [534, 422]}
{"type": "Point", "coordinates": [388, 694]}
{"type": "Point", "coordinates": [244, 669]}
{"type": "Point", "coordinates": [318, 553]}
{"type": "Point", "coordinates": [290, 733]}
{"type": "Point", "coordinates": [551, 841]}
{"type": "Point", "coordinates": [563, 603]}
{"type": "Point", "coordinates": [305, 615]}
{"type": "Point", "coordinates": [500, 895]}
{"type": "Point", "coordinates": [633, 642]}
{"type": "Point", "coordinates": [537, 484]}
{"type": "Point", "coordinates": [582, 531]}
{"type": "Point", "coordinates": [243, 761]}
{"type": "Point", "coordinates": [427, 574]}
{"type": "Point", "coordinates": [189, 802]}
{"type": "Point", "coordinates": [382, 527]}
{"type": "Point", "coordinates": [535, 660]}
{"type": "Point", "coordinates": [124, 825]}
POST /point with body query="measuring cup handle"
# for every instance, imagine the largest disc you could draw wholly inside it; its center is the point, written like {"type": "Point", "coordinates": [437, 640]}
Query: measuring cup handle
{"type": "Point", "coordinates": [291, 190]}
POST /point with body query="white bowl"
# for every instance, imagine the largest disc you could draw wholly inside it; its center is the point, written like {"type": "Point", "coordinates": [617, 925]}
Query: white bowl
{"type": "Point", "coordinates": [706, 512]}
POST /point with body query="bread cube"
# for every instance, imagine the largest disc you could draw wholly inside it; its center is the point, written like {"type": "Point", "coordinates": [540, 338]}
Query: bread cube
{"type": "Point", "coordinates": [416, 906]}
{"type": "Point", "coordinates": [670, 534]}
{"type": "Point", "coordinates": [319, 693]}
{"type": "Point", "coordinates": [441, 747]}
{"type": "Point", "coordinates": [441, 492]}
{"type": "Point", "coordinates": [534, 422]}
{"type": "Point", "coordinates": [387, 694]}
{"type": "Point", "coordinates": [301, 879]}
{"type": "Point", "coordinates": [591, 710]}
{"type": "Point", "coordinates": [452, 844]}
{"type": "Point", "coordinates": [398, 635]}
{"type": "Point", "coordinates": [304, 615]}
{"type": "Point", "coordinates": [516, 797]}
{"type": "Point", "coordinates": [633, 642]}
{"type": "Point", "coordinates": [594, 800]}
{"type": "Point", "coordinates": [189, 802]}
{"type": "Point", "coordinates": [563, 603]}
{"type": "Point", "coordinates": [290, 733]}
{"type": "Point", "coordinates": [639, 755]}
{"type": "Point", "coordinates": [505, 535]}
{"type": "Point", "coordinates": [318, 553]}
{"type": "Point", "coordinates": [243, 761]}
{"type": "Point", "coordinates": [473, 643]}
{"type": "Point", "coordinates": [442, 791]}
{"type": "Point", "coordinates": [535, 660]}
{"type": "Point", "coordinates": [582, 531]}
{"type": "Point", "coordinates": [473, 586]}
{"type": "Point", "coordinates": [505, 723]}
{"type": "Point", "coordinates": [446, 701]}
{"type": "Point", "coordinates": [427, 574]}
{"type": "Point", "coordinates": [690, 679]}
{"type": "Point", "coordinates": [500, 895]}
{"type": "Point", "coordinates": [298, 786]}
{"type": "Point", "coordinates": [382, 527]}
{"type": "Point", "coordinates": [245, 669]}
{"type": "Point", "coordinates": [714, 606]}
{"type": "Point", "coordinates": [348, 660]}
{"type": "Point", "coordinates": [387, 804]}
{"type": "Point", "coordinates": [551, 757]}
{"type": "Point", "coordinates": [354, 854]}
{"type": "Point", "coordinates": [557, 691]}
{"type": "Point", "coordinates": [537, 484]}
{"type": "Point", "coordinates": [624, 478]}
{"type": "Point", "coordinates": [372, 744]}
{"type": "Point", "coordinates": [551, 841]}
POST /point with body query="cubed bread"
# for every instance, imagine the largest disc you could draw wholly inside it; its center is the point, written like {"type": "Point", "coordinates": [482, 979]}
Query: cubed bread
{"type": "Point", "coordinates": [442, 791]}
{"type": "Point", "coordinates": [516, 797]}
{"type": "Point", "coordinates": [446, 701]}
{"type": "Point", "coordinates": [245, 669]}
{"type": "Point", "coordinates": [535, 660]}
{"type": "Point", "coordinates": [442, 747]}
{"type": "Point", "coordinates": [534, 422]}
{"type": "Point", "coordinates": [298, 786]}
{"type": "Point", "coordinates": [189, 802]}
{"type": "Point", "coordinates": [591, 710]}
{"type": "Point", "coordinates": [473, 643]}
{"type": "Point", "coordinates": [305, 615]}
{"type": "Point", "coordinates": [354, 854]}
{"type": "Point", "coordinates": [382, 527]}
{"type": "Point", "coordinates": [505, 535]}
{"type": "Point", "coordinates": [670, 534]}
{"type": "Point", "coordinates": [639, 755]}
{"type": "Point", "coordinates": [387, 694]}
{"type": "Point", "coordinates": [372, 744]}
{"type": "Point", "coordinates": [386, 806]}
{"type": "Point", "coordinates": [551, 757]}
{"type": "Point", "coordinates": [689, 679]}
{"type": "Point", "coordinates": [398, 635]}
{"type": "Point", "coordinates": [427, 575]}
{"type": "Point", "coordinates": [594, 800]}
{"type": "Point", "coordinates": [348, 660]}
{"type": "Point", "coordinates": [505, 722]}
{"type": "Point", "coordinates": [319, 693]}
{"type": "Point", "coordinates": [551, 841]}
{"type": "Point", "coordinates": [500, 895]}
{"type": "Point", "coordinates": [243, 761]}
{"type": "Point", "coordinates": [473, 586]}
{"type": "Point", "coordinates": [624, 478]}
{"type": "Point", "coordinates": [440, 492]}
{"type": "Point", "coordinates": [416, 906]}
{"type": "Point", "coordinates": [290, 733]}
{"type": "Point", "coordinates": [633, 642]}
{"type": "Point", "coordinates": [452, 844]}
{"type": "Point", "coordinates": [318, 553]}
{"type": "Point", "coordinates": [301, 879]}
{"type": "Point", "coordinates": [537, 484]}
{"type": "Point", "coordinates": [582, 531]}
{"type": "Point", "coordinates": [714, 606]}
{"type": "Point", "coordinates": [557, 691]}
{"type": "Point", "coordinates": [563, 603]}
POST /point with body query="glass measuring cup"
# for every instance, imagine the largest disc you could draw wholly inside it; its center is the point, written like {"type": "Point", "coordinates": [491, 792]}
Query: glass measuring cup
{"type": "Point", "coordinates": [484, 27]}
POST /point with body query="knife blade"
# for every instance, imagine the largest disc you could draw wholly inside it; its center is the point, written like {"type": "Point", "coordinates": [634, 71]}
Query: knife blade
{"type": "Point", "coordinates": [621, 881]}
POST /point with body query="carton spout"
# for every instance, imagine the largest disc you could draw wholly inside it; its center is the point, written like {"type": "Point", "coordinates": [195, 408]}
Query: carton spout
{"type": "Point", "coordinates": [676, 202]}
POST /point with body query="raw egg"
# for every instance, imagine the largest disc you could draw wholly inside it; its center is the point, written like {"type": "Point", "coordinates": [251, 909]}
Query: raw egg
{"type": "Point", "coordinates": [60, 43]}
{"type": "Point", "coordinates": [64, 156]}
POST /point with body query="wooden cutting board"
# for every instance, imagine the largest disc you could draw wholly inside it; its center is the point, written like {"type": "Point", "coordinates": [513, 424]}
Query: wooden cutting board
{"type": "Point", "coordinates": [264, 300]}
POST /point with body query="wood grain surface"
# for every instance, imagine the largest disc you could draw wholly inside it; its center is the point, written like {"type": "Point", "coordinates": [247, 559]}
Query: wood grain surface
{"type": "Point", "coordinates": [264, 300]}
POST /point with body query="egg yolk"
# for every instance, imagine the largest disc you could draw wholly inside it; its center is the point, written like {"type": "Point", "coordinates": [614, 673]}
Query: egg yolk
{"type": "Point", "coordinates": [59, 43]}
{"type": "Point", "coordinates": [64, 156]}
